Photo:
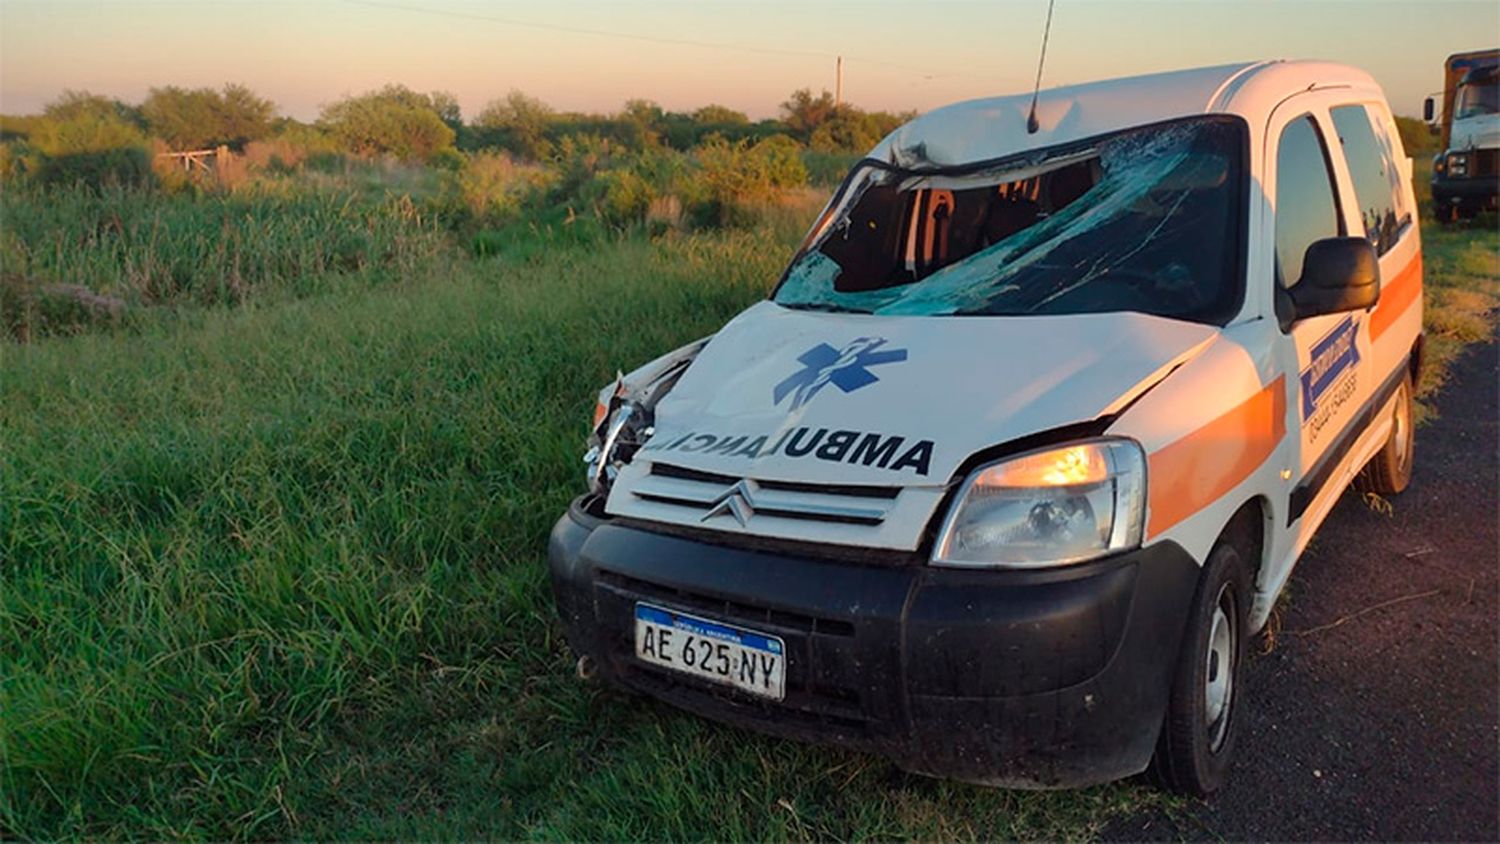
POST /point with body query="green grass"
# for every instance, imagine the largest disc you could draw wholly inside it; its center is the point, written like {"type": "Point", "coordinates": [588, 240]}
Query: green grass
{"type": "Point", "coordinates": [278, 570]}
{"type": "Point", "coordinates": [1461, 289]}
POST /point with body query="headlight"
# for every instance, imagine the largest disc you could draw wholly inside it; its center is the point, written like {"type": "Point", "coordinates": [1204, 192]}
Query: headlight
{"type": "Point", "coordinates": [1047, 508]}
{"type": "Point", "coordinates": [1458, 164]}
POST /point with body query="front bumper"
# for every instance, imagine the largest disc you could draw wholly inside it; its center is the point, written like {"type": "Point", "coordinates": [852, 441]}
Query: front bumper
{"type": "Point", "coordinates": [1044, 679]}
{"type": "Point", "coordinates": [1477, 193]}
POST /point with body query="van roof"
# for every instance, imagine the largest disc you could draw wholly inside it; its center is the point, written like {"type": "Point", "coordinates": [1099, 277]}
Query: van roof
{"type": "Point", "coordinates": [995, 127]}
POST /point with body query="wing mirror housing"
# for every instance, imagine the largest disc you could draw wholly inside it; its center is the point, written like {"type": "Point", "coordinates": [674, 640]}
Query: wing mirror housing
{"type": "Point", "coordinates": [1338, 274]}
{"type": "Point", "coordinates": [1427, 109]}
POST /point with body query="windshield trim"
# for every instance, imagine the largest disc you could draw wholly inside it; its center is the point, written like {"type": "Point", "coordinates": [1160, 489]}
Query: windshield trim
{"type": "Point", "coordinates": [1240, 238]}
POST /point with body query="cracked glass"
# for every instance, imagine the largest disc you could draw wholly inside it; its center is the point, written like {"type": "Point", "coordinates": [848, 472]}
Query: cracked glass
{"type": "Point", "coordinates": [1147, 220]}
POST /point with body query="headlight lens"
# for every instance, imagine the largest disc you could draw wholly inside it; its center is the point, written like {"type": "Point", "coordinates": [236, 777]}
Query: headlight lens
{"type": "Point", "coordinates": [1458, 164]}
{"type": "Point", "coordinates": [1046, 508]}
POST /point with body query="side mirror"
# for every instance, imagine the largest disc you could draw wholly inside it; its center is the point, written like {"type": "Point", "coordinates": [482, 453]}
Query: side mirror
{"type": "Point", "coordinates": [1427, 109]}
{"type": "Point", "coordinates": [1338, 274]}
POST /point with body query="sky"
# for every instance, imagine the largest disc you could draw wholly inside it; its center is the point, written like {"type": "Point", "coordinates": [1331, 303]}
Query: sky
{"type": "Point", "coordinates": [593, 55]}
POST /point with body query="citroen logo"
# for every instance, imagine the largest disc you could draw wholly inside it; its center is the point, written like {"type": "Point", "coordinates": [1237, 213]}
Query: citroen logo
{"type": "Point", "coordinates": [737, 501]}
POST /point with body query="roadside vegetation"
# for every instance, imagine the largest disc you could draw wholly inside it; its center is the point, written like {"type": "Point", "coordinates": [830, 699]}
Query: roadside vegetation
{"type": "Point", "coordinates": [280, 445]}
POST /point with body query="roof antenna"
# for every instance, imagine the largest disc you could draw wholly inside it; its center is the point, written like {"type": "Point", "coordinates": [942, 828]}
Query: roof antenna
{"type": "Point", "coordinates": [1031, 122]}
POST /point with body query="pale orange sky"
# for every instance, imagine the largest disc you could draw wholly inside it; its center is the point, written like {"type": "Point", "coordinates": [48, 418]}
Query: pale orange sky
{"type": "Point", "coordinates": [903, 55]}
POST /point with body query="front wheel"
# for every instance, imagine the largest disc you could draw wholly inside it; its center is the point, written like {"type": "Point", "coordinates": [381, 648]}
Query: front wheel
{"type": "Point", "coordinates": [1198, 735]}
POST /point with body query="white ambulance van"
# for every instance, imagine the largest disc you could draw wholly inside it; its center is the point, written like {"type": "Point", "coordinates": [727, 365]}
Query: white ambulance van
{"type": "Point", "coordinates": [1021, 449]}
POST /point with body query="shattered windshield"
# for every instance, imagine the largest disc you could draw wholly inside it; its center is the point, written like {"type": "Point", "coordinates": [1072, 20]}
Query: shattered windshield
{"type": "Point", "coordinates": [1145, 220]}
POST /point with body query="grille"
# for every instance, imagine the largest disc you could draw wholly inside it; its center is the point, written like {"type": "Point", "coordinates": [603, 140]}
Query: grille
{"type": "Point", "coordinates": [732, 611]}
{"type": "Point", "coordinates": [711, 494]}
{"type": "Point", "coordinates": [1485, 161]}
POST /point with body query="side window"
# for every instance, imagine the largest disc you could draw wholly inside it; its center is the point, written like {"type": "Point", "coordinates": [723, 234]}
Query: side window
{"type": "Point", "coordinates": [1377, 181]}
{"type": "Point", "coordinates": [1306, 206]}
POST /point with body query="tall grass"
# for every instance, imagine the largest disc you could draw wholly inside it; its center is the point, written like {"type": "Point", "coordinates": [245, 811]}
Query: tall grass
{"type": "Point", "coordinates": [149, 247]}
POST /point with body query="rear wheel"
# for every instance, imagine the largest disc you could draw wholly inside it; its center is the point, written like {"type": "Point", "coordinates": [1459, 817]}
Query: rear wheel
{"type": "Point", "coordinates": [1389, 471]}
{"type": "Point", "coordinates": [1198, 736]}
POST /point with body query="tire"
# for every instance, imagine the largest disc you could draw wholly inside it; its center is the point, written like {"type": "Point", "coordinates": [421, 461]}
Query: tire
{"type": "Point", "coordinates": [1389, 471]}
{"type": "Point", "coordinates": [1197, 739]}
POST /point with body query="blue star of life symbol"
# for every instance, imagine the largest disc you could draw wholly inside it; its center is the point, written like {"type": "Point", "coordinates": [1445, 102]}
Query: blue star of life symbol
{"type": "Point", "coordinates": [847, 368]}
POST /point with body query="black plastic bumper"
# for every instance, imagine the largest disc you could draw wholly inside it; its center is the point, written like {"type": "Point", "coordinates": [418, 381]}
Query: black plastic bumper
{"type": "Point", "coordinates": [1478, 193]}
{"type": "Point", "coordinates": [1044, 679]}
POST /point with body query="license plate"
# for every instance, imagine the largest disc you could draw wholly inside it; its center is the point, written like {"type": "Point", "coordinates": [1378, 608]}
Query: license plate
{"type": "Point", "coordinates": [749, 661]}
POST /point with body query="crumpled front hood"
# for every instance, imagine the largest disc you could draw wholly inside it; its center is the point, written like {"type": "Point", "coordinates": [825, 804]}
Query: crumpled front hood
{"type": "Point", "coordinates": [834, 398]}
{"type": "Point", "coordinates": [1481, 132]}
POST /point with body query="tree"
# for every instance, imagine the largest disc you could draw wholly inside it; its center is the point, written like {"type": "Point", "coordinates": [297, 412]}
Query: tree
{"type": "Point", "coordinates": [849, 130]}
{"type": "Point", "coordinates": [83, 138]}
{"type": "Point", "coordinates": [203, 117]}
{"type": "Point", "coordinates": [642, 121]}
{"type": "Point", "coordinates": [520, 123]}
{"type": "Point", "coordinates": [243, 116]}
{"type": "Point", "coordinates": [803, 113]}
{"type": "Point", "coordinates": [446, 107]}
{"type": "Point", "coordinates": [717, 115]}
{"type": "Point", "coordinates": [392, 121]}
{"type": "Point", "coordinates": [72, 104]}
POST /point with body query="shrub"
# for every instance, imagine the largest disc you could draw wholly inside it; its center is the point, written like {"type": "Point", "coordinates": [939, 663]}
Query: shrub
{"type": "Point", "coordinates": [387, 123]}
{"type": "Point", "coordinates": [828, 169]}
{"type": "Point", "coordinates": [519, 123]}
{"type": "Point", "coordinates": [278, 154]}
{"type": "Point", "coordinates": [75, 104]}
{"type": "Point", "coordinates": [626, 197]}
{"type": "Point", "coordinates": [91, 147]}
{"type": "Point", "coordinates": [489, 189]}
{"type": "Point", "coordinates": [740, 176]}
{"type": "Point", "coordinates": [11, 165]}
{"type": "Point", "coordinates": [577, 160]}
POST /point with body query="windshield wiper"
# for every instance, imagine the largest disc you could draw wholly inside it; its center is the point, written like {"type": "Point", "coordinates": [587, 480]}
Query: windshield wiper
{"type": "Point", "coordinates": [827, 307]}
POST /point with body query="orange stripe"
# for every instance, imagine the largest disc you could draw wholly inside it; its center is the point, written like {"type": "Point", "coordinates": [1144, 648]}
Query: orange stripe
{"type": "Point", "coordinates": [1199, 468]}
{"type": "Point", "coordinates": [1396, 297]}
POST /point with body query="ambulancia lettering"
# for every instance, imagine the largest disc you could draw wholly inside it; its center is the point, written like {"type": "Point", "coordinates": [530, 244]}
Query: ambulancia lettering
{"type": "Point", "coordinates": [886, 451]}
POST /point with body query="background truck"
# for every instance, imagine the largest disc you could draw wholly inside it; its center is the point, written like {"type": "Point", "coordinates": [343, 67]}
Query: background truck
{"type": "Point", "coordinates": [1465, 176]}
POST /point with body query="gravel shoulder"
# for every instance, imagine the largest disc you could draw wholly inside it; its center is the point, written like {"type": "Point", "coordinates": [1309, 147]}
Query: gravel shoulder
{"type": "Point", "coordinates": [1374, 715]}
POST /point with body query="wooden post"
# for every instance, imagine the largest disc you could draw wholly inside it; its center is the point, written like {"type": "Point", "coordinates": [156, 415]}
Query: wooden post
{"type": "Point", "coordinates": [838, 84]}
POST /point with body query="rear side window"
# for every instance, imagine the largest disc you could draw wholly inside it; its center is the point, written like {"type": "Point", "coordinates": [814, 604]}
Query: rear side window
{"type": "Point", "coordinates": [1377, 182]}
{"type": "Point", "coordinates": [1306, 207]}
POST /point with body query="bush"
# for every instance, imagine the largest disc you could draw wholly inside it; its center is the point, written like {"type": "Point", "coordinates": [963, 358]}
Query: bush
{"type": "Point", "coordinates": [90, 148]}
{"type": "Point", "coordinates": [489, 189]}
{"type": "Point", "coordinates": [739, 177]}
{"type": "Point", "coordinates": [11, 161]}
{"type": "Point", "coordinates": [385, 123]}
{"type": "Point", "coordinates": [828, 169]}
{"type": "Point", "coordinates": [518, 123]}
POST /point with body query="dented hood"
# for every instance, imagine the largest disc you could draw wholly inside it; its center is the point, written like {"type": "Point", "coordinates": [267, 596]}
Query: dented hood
{"type": "Point", "coordinates": [837, 398]}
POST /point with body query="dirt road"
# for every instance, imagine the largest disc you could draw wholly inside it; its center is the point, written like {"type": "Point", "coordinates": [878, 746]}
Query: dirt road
{"type": "Point", "coordinates": [1381, 723]}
